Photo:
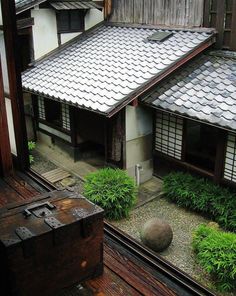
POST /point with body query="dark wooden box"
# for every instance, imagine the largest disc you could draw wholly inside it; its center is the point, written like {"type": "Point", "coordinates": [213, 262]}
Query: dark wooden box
{"type": "Point", "coordinates": [51, 243]}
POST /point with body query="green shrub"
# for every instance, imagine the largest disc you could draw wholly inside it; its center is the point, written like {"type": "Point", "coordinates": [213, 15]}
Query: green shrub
{"type": "Point", "coordinates": [203, 196]}
{"type": "Point", "coordinates": [216, 252]}
{"type": "Point", "coordinates": [31, 146]}
{"type": "Point", "coordinates": [113, 190]}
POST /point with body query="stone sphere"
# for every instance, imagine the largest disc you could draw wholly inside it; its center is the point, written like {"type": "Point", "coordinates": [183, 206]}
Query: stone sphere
{"type": "Point", "coordinates": [156, 234]}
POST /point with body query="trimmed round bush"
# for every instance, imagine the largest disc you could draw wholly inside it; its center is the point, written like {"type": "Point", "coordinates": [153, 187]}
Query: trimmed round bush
{"type": "Point", "coordinates": [113, 190]}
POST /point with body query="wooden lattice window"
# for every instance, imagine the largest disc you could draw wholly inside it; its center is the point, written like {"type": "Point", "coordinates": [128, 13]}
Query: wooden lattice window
{"type": "Point", "coordinates": [41, 108]}
{"type": "Point", "coordinates": [55, 113]}
{"type": "Point", "coordinates": [230, 158]}
{"type": "Point", "coordinates": [65, 110]}
{"type": "Point", "coordinates": [169, 134]}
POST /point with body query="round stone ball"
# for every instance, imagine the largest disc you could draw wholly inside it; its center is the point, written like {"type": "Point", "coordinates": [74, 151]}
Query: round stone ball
{"type": "Point", "coordinates": [156, 234]}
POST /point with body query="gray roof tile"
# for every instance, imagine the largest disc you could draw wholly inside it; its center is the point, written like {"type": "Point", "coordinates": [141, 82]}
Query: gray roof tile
{"type": "Point", "coordinates": [101, 69]}
{"type": "Point", "coordinates": [204, 90]}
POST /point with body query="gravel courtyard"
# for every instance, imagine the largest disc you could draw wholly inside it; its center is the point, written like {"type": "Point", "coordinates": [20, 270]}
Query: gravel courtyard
{"type": "Point", "coordinates": [183, 223]}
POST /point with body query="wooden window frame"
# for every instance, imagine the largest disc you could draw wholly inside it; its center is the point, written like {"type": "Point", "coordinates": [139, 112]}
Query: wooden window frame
{"type": "Point", "coordinates": [81, 21]}
{"type": "Point", "coordinates": [218, 174]}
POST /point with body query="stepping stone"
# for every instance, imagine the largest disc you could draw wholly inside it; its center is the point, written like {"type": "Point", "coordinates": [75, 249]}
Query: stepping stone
{"type": "Point", "coordinates": [56, 175]}
{"type": "Point", "coordinates": [68, 182]}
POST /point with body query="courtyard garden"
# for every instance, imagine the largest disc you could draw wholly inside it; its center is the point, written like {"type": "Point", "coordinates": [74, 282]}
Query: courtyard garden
{"type": "Point", "coordinates": [207, 252]}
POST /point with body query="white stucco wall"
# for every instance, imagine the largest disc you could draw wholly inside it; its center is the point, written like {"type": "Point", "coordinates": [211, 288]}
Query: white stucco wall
{"type": "Point", "coordinates": [68, 36]}
{"type": "Point", "coordinates": [44, 31]}
{"type": "Point", "coordinates": [93, 17]}
{"type": "Point", "coordinates": [139, 141]}
{"type": "Point", "coordinates": [10, 126]}
{"type": "Point", "coordinates": [4, 63]}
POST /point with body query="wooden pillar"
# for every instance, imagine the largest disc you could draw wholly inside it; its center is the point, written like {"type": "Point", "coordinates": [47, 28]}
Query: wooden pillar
{"type": "Point", "coordinates": [220, 156]}
{"type": "Point", "coordinates": [5, 148]}
{"type": "Point", "coordinates": [15, 86]}
{"type": "Point", "coordinates": [107, 9]}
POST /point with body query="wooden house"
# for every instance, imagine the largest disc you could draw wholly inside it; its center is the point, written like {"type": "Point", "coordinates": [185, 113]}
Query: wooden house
{"type": "Point", "coordinates": [130, 268]}
{"type": "Point", "coordinates": [93, 83]}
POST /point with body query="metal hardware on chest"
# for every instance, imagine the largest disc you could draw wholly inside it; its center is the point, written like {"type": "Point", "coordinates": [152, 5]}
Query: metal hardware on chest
{"type": "Point", "coordinates": [53, 222]}
{"type": "Point", "coordinates": [39, 210]}
{"type": "Point", "coordinates": [79, 213]}
{"type": "Point", "coordinates": [10, 242]}
{"type": "Point", "coordinates": [23, 233]}
{"type": "Point", "coordinates": [27, 243]}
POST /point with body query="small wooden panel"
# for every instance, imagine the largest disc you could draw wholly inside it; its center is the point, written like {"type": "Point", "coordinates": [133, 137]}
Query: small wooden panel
{"type": "Point", "coordinates": [56, 175]}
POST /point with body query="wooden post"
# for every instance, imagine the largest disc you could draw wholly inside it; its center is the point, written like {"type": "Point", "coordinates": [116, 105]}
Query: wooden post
{"type": "Point", "coordinates": [220, 155]}
{"type": "Point", "coordinates": [220, 18]}
{"type": "Point", "coordinates": [15, 86]}
{"type": "Point", "coordinates": [5, 148]}
{"type": "Point", "coordinates": [233, 27]}
{"type": "Point", "coordinates": [107, 9]}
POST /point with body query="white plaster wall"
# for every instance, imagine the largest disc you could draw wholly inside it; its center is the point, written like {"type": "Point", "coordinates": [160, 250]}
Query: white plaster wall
{"type": "Point", "coordinates": [68, 36]}
{"type": "Point", "coordinates": [138, 122]}
{"type": "Point", "coordinates": [10, 126]}
{"type": "Point", "coordinates": [93, 17]}
{"type": "Point", "coordinates": [4, 63]}
{"type": "Point", "coordinates": [0, 15]}
{"type": "Point", "coordinates": [44, 31]}
{"type": "Point", "coordinates": [139, 141]}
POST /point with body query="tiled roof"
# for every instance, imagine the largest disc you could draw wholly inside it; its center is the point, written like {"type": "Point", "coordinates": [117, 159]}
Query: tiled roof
{"type": "Point", "coordinates": [205, 90]}
{"type": "Point", "coordinates": [21, 5]}
{"type": "Point", "coordinates": [100, 70]}
{"type": "Point", "coordinates": [68, 5]}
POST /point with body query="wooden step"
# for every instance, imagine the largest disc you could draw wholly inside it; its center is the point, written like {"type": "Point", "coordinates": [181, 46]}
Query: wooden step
{"type": "Point", "coordinates": [56, 175]}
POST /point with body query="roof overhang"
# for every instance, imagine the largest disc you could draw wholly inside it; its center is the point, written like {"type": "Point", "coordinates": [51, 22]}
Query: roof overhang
{"type": "Point", "coordinates": [73, 5]}
{"type": "Point", "coordinates": [20, 9]}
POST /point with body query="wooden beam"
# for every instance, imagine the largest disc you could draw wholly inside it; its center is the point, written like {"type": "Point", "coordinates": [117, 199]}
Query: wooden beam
{"type": "Point", "coordinates": [25, 23]}
{"type": "Point", "coordinates": [15, 85]}
{"type": "Point", "coordinates": [5, 148]}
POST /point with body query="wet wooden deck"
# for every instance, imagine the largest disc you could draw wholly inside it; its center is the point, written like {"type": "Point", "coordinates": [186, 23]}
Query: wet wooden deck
{"type": "Point", "coordinates": [18, 187]}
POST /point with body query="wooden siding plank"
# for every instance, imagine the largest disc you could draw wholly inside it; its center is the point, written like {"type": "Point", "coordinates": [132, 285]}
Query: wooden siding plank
{"type": "Point", "coordinates": [159, 12]}
{"type": "Point", "coordinates": [138, 11]}
{"type": "Point", "coordinates": [206, 13]}
{"type": "Point", "coordinates": [220, 23]}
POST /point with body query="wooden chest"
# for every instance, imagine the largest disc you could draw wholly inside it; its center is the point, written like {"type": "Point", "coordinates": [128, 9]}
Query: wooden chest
{"type": "Point", "coordinates": [50, 243]}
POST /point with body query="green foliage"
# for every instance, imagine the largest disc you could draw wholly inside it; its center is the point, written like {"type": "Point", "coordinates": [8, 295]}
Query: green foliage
{"type": "Point", "coordinates": [113, 190]}
{"type": "Point", "coordinates": [216, 252]}
{"type": "Point", "coordinates": [31, 146]}
{"type": "Point", "coordinates": [203, 196]}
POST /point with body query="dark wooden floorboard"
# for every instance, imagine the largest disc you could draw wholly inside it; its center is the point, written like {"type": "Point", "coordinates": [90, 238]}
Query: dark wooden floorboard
{"type": "Point", "coordinates": [16, 188]}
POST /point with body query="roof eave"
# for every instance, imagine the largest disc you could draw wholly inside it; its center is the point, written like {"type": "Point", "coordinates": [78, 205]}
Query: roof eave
{"type": "Point", "coordinates": [151, 83]}
{"type": "Point", "coordinates": [28, 6]}
{"type": "Point", "coordinates": [186, 116]}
